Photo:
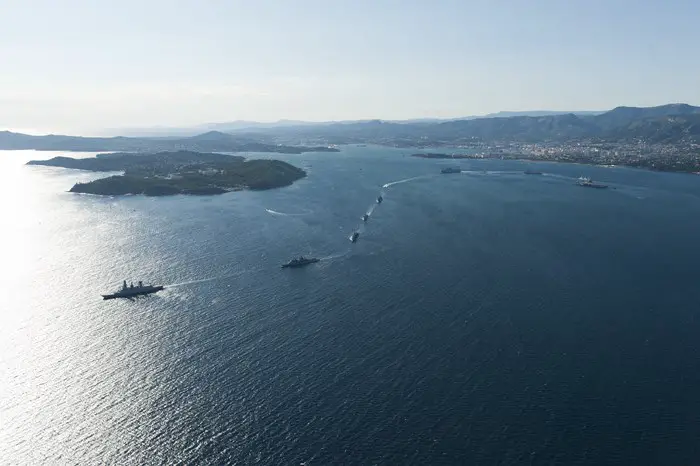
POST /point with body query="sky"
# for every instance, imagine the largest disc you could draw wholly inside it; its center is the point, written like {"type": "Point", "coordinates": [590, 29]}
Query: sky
{"type": "Point", "coordinates": [84, 66]}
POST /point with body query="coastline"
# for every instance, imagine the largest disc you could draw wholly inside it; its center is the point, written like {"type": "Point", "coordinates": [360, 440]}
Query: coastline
{"type": "Point", "coordinates": [522, 158]}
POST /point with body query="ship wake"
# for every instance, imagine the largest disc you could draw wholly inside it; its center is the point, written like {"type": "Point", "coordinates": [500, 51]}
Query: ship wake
{"type": "Point", "coordinates": [288, 214]}
{"type": "Point", "coordinates": [393, 183]}
{"type": "Point", "coordinates": [204, 280]}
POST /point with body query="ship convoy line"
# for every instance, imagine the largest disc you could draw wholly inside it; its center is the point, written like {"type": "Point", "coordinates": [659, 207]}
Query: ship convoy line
{"type": "Point", "coordinates": [130, 292]}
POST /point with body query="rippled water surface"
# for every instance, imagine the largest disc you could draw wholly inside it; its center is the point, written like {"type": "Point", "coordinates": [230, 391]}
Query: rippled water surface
{"type": "Point", "coordinates": [487, 317]}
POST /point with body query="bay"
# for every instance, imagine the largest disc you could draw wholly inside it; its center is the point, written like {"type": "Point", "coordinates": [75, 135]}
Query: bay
{"type": "Point", "coordinates": [487, 317]}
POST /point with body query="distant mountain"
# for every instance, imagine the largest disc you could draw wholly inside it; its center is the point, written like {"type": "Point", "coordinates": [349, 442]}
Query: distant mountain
{"type": "Point", "coordinates": [242, 124]}
{"type": "Point", "coordinates": [673, 123]}
{"type": "Point", "coordinates": [212, 141]}
{"type": "Point", "coordinates": [622, 116]}
{"type": "Point", "coordinates": [523, 128]}
{"type": "Point", "coordinates": [669, 123]}
{"type": "Point", "coordinates": [216, 136]}
{"type": "Point", "coordinates": [536, 113]}
{"type": "Point", "coordinates": [232, 126]}
{"type": "Point", "coordinates": [256, 126]}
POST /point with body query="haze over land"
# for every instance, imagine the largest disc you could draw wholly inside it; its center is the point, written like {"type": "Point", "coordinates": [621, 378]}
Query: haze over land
{"type": "Point", "coordinates": [243, 125]}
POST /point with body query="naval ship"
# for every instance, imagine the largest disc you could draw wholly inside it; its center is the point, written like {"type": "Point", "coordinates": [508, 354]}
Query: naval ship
{"type": "Point", "coordinates": [300, 262]}
{"type": "Point", "coordinates": [133, 291]}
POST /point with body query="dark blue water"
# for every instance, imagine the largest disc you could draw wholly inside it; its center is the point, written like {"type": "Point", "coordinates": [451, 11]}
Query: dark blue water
{"type": "Point", "coordinates": [481, 318]}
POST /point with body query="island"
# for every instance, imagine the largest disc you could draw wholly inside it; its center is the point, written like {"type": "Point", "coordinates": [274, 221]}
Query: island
{"type": "Point", "coordinates": [181, 172]}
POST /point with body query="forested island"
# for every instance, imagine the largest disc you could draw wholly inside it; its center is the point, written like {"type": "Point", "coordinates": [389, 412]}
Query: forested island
{"type": "Point", "coordinates": [181, 172]}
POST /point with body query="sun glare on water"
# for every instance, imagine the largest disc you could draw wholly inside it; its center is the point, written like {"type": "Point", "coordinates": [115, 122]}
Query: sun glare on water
{"type": "Point", "coordinates": [27, 194]}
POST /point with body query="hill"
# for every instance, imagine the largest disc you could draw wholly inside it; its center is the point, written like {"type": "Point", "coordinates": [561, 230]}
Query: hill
{"type": "Point", "coordinates": [212, 141]}
{"type": "Point", "coordinates": [625, 116]}
{"type": "Point", "coordinates": [246, 126]}
{"type": "Point", "coordinates": [620, 124]}
{"type": "Point", "coordinates": [671, 129]}
{"type": "Point", "coordinates": [668, 124]}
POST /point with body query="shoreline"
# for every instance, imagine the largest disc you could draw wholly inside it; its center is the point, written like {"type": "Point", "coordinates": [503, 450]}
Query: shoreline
{"type": "Point", "coordinates": [441, 156]}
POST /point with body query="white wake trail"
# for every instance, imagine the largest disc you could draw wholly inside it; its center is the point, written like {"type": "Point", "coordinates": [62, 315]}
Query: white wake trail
{"type": "Point", "coordinates": [191, 282]}
{"type": "Point", "coordinates": [335, 256]}
{"type": "Point", "coordinates": [203, 280]}
{"type": "Point", "coordinates": [286, 214]}
{"type": "Point", "coordinates": [406, 180]}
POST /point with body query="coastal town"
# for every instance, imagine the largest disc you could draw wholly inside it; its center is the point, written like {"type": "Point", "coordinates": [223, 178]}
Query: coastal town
{"type": "Point", "coordinates": [684, 157]}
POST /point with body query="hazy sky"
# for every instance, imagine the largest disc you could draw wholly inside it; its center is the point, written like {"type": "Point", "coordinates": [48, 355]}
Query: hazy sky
{"type": "Point", "coordinates": [81, 65]}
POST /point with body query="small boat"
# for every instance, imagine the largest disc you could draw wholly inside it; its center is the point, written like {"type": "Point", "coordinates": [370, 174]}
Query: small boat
{"type": "Point", "coordinates": [532, 172]}
{"type": "Point", "coordinates": [354, 237]}
{"type": "Point", "coordinates": [380, 199]}
{"type": "Point", "coordinates": [300, 262]}
{"type": "Point", "coordinates": [365, 217]}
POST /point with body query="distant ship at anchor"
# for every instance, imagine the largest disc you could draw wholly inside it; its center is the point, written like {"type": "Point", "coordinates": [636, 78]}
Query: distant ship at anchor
{"type": "Point", "coordinates": [588, 183]}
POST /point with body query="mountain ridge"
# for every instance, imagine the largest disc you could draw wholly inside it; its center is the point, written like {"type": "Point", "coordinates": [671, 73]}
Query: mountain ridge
{"type": "Point", "coordinates": [620, 123]}
{"type": "Point", "coordinates": [669, 124]}
{"type": "Point", "coordinates": [249, 125]}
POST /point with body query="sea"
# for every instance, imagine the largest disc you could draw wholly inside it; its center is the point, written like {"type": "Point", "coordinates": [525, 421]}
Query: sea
{"type": "Point", "coordinates": [486, 317]}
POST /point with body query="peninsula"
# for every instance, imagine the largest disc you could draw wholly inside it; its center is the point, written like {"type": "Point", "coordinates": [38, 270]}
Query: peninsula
{"type": "Point", "coordinates": [213, 141]}
{"type": "Point", "coordinates": [181, 172]}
